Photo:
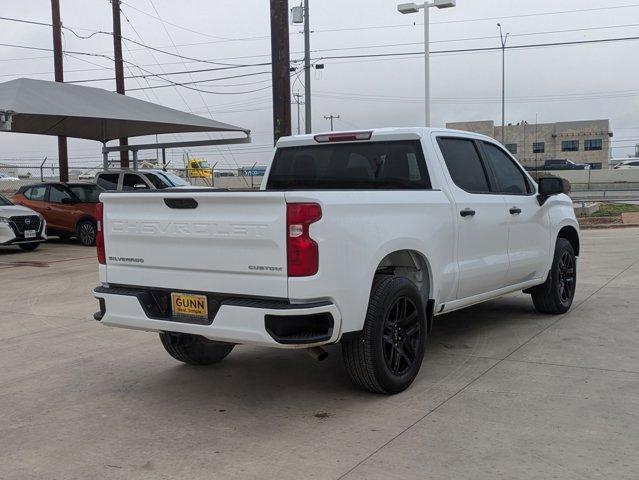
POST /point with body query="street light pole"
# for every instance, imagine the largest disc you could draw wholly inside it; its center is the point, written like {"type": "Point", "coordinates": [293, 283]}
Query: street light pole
{"type": "Point", "coordinates": [308, 114]}
{"type": "Point", "coordinates": [405, 8]}
{"type": "Point", "coordinates": [504, 39]}
{"type": "Point", "coordinates": [427, 65]}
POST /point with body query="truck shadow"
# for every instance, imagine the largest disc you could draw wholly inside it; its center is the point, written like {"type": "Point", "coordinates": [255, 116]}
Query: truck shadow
{"type": "Point", "coordinates": [253, 377]}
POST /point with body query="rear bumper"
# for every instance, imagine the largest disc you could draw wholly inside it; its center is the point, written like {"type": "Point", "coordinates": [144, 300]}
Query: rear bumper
{"type": "Point", "coordinates": [252, 321]}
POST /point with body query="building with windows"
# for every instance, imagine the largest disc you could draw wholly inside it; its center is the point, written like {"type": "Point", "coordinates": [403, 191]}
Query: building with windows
{"type": "Point", "coordinates": [586, 141]}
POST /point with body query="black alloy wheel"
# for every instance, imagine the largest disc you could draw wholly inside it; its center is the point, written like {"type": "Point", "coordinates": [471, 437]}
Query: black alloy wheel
{"type": "Point", "coordinates": [556, 294]}
{"type": "Point", "coordinates": [401, 336]}
{"type": "Point", "coordinates": [385, 357]}
{"type": "Point", "coordinates": [567, 276]}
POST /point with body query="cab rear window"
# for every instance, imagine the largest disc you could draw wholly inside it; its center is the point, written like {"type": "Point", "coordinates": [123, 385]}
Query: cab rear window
{"type": "Point", "coordinates": [397, 165]}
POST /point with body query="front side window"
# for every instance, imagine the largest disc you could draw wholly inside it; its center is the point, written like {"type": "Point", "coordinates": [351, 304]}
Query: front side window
{"type": "Point", "coordinates": [539, 147]}
{"type": "Point", "coordinates": [398, 165]}
{"type": "Point", "coordinates": [594, 144]}
{"type": "Point", "coordinates": [464, 164]}
{"type": "Point", "coordinates": [57, 193]}
{"type": "Point", "coordinates": [36, 193]}
{"type": "Point", "coordinates": [570, 146]}
{"type": "Point", "coordinates": [131, 180]}
{"type": "Point", "coordinates": [510, 179]}
{"type": "Point", "coordinates": [512, 148]}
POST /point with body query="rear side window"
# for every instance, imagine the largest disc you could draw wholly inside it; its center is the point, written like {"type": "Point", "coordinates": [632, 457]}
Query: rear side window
{"type": "Point", "coordinates": [36, 193]}
{"type": "Point", "coordinates": [510, 179]}
{"type": "Point", "coordinates": [464, 164]}
{"type": "Point", "coordinates": [396, 165]}
{"type": "Point", "coordinates": [108, 181]}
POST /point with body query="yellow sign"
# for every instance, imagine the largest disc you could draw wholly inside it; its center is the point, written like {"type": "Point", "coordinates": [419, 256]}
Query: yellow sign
{"type": "Point", "coordinates": [192, 305]}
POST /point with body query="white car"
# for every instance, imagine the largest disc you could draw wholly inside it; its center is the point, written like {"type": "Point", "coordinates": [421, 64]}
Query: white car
{"type": "Point", "coordinates": [358, 238]}
{"type": "Point", "coordinates": [627, 164]}
{"type": "Point", "coordinates": [20, 226]}
{"type": "Point", "coordinates": [7, 178]}
{"type": "Point", "coordinates": [86, 175]}
{"type": "Point", "coordinates": [127, 180]}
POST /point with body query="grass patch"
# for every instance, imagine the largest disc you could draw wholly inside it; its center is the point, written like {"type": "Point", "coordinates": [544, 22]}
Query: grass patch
{"type": "Point", "coordinates": [614, 209]}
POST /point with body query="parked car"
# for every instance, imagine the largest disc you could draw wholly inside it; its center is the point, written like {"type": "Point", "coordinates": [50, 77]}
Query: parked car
{"type": "Point", "coordinates": [360, 238]}
{"type": "Point", "coordinates": [127, 180]}
{"type": "Point", "coordinates": [627, 165]}
{"type": "Point", "coordinates": [564, 164]}
{"type": "Point", "coordinates": [68, 208]}
{"type": "Point", "coordinates": [86, 175]}
{"type": "Point", "coordinates": [20, 226]}
{"type": "Point", "coordinates": [7, 178]}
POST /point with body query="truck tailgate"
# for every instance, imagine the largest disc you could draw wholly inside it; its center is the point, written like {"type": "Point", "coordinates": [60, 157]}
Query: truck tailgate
{"type": "Point", "coordinates": [231, 242]}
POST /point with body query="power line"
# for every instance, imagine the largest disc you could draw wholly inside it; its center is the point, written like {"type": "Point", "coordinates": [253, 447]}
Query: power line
{"type": "Point", "coordinates": [404, 25]}
{"type": "Point", "coordinates": [481, 49]}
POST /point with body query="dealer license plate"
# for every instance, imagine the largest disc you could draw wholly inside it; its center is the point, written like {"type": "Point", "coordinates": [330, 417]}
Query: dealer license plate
{"type": "Point", "coordinates": [190, 305]}
{"type": "Point", "coordinates": [29, 234]}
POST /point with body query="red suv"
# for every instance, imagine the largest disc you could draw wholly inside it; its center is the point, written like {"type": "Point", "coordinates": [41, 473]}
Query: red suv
{"type": "Point", "coordinates": [68, 208]}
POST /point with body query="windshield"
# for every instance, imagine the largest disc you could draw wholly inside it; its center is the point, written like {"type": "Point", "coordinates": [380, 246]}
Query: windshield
{"type": "Point", "coordinates": [175, 180]}
{"type": "Point", "coordinates": [162, 180]}
{"type": "Point", "coordinates": [87, 193]}
{"type": "Point", "coordinates": [200, 164]}
{"type": "Point", "coordinates": [4, 202]}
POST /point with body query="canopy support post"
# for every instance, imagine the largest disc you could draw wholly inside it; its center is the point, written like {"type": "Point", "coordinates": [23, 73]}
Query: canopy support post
{"type": "Point", "coordinates": [105, 156]}
{"type": "Point", "coordinates": [135, 160]}
{"type": "Point", "coordinates": [164, 159]}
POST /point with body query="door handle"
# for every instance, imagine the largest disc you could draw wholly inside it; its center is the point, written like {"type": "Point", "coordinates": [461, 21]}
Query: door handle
{"type": "Point", "coordinates": [467, 212]}
{"type": "Point", "coordinates": [515, 210]}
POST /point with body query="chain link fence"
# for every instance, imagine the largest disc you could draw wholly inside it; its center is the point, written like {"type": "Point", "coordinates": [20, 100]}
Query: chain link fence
{"type": "Point", "coordinates": [14, 176]}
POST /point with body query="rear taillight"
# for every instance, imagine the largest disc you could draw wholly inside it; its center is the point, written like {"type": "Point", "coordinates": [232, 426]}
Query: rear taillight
{"type": "Point", "coordinates": [301, 250]}
{"type": "Point", "coordinates": [99, 239]}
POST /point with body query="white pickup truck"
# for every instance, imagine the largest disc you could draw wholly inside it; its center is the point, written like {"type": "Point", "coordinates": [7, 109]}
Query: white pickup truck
{"type": "Point", "coordinates": [358, 238]}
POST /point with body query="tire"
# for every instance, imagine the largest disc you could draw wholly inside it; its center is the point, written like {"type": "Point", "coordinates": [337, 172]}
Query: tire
{"type": "Point", "coordinates": [86, 232]}
{"type": "Point", "coordinates": [194, 349]}
{"type": "Point", "coordinates": [556, 294]}
{"type": "Point", "coordinates": [387, 356]}
{"type": "Point", "coordinates": [29, 247]}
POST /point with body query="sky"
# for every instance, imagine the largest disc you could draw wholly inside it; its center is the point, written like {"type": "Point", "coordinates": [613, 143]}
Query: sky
{"type": "Point", "coordinates": [554, 83]}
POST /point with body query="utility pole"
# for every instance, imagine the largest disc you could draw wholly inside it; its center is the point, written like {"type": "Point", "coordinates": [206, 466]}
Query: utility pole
{"type": "Point", "coordinates": [119, 70]}
{"type": "Point", "coordinates": [63, 157]}
{"type": "Point", "coordinates": [504, 39]}
{"type": "Point", "coordinates": [331, 117]}
{"type": "Point", "coordinates": [298, 102]}
{"type": "Point", "coordinates": [281, 68]}
{"type": "Point", "coordinates": [307, 69]}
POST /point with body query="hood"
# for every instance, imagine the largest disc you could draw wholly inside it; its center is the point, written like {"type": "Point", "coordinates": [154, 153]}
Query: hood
{"type": "Point", "coordinates": [15, 210]}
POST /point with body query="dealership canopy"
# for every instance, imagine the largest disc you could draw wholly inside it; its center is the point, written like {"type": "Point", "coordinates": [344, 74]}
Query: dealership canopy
{"type": "Point", "coordinates": [62, 109]}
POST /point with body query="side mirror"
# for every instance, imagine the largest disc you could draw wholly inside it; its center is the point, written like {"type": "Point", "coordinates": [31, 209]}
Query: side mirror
{"type": "Point", "coordinates": [68, 201]}
{"type": "Point", "coordinates": [549, 186]}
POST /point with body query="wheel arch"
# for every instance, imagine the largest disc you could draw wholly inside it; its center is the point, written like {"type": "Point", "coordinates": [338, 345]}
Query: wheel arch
{"type": "Point", "coordinates": [413, 265]}
{"type": "Point", "coordinates": [84, 218]}
{"type": "Point", "coordinates": [570, 233]}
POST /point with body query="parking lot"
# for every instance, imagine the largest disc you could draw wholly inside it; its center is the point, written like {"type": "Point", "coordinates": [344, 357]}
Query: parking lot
{"type": "Point", "coordinates": [503, 392]}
